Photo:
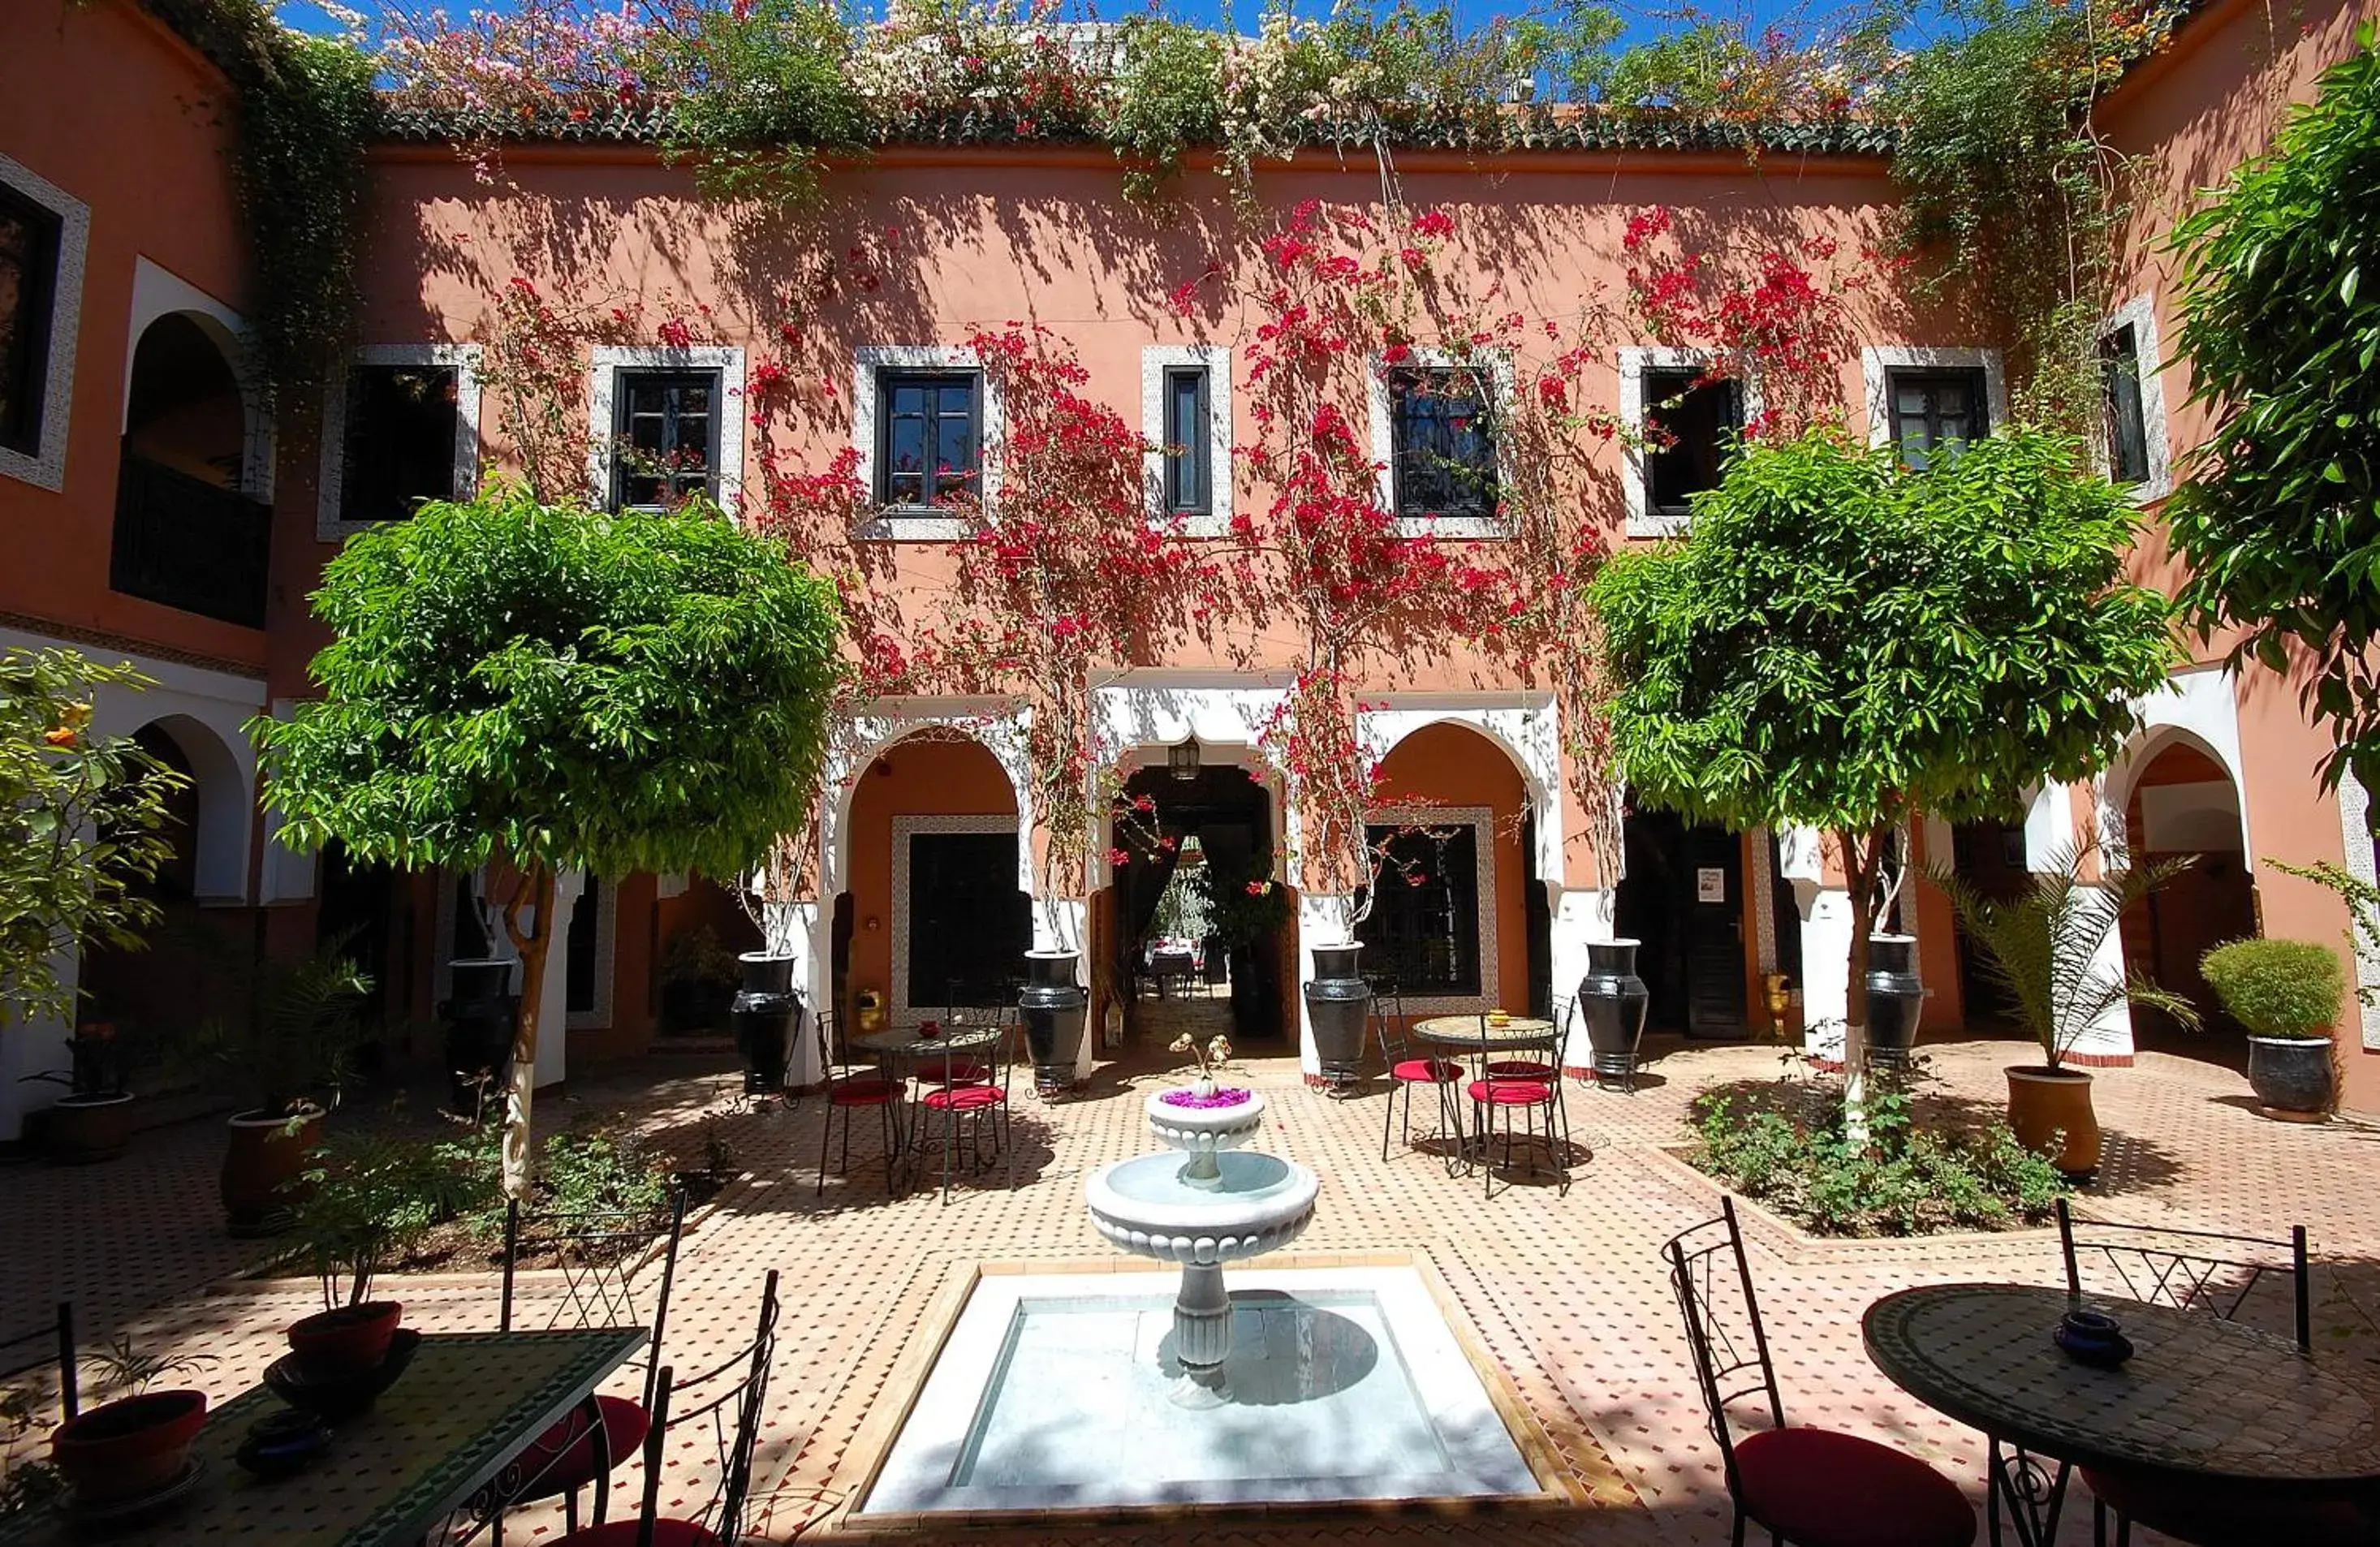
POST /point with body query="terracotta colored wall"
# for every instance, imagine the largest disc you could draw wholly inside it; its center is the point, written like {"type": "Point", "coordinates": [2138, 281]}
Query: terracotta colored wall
{"type": "Point", "coordinates": [146, 151]}
{"type": "Point", "coordinates": [914, 777]}
{"type": "Point", "coordinates": [1447, 765]}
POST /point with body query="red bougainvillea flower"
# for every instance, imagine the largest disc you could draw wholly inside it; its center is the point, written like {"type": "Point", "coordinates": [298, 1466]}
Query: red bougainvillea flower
{"type": "Point", "coordinates": [1118, 856]}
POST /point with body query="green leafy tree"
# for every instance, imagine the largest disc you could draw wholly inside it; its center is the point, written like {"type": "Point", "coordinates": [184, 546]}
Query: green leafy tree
{"type": "Point", "coordinates": [539, 688]}
{"type": "Point", "coordinates": [82, 826]}
{"type": "Point", "coordinates": [2279, 519]}
{"type": "Point", "coordinates": [1843, 642]}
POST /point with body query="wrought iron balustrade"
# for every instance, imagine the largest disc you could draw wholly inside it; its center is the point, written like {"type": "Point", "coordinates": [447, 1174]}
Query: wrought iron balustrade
{"type": "Point", "coordinates": [189, 544]}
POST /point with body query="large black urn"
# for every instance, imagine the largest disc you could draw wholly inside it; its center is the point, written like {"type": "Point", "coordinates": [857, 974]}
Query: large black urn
{"type": "Point", "coordinates": [1895, 997]}
{"type": "Point", "coordinates": [1053, 1004]}
{"type": "Point", "coordinates": [763, 1014]}
{"type": "Point", "coordinates": [1338, 1002]}
{"type": "Point", "coordinates": [478, 1031]}
{"type": "Point", "coordinates": [1612, 1000]}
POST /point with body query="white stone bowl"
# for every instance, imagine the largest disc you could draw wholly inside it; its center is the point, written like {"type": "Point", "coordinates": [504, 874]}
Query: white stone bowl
{"type": "Point", "coordinates": [1263, 1203]}
{"type": "Point", "coordinates": [1205, 1128]}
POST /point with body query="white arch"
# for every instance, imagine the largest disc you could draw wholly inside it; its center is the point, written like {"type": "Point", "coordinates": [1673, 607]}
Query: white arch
{"type": "Point", "coordinates": [1520, 725]}
{"type": "Point", "coordinates": [998, 726]}
{"type": "Point", "coordinates": [226, 803]}
{"type": "Point", "coordinates": [159, 293]}
{"type": "Point", "coordinates": [2196, 708]}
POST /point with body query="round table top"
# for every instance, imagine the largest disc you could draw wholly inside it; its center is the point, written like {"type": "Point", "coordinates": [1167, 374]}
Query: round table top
{"type": "Point", "coordinates": [2200, 1395]}
{"type": "Point", "coordinates": [1464, 1030]}
{"type": "Point", "coordinates": [906, 1042]}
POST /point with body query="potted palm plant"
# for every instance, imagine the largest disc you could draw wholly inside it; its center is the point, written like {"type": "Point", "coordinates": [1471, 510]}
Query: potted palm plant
{"type": "Point", "coordinates": [2042, 944]}
{"type": "Point", "coordinates": [2287, 993]}
{"type": "Point", "coordinates": [93, 1120]}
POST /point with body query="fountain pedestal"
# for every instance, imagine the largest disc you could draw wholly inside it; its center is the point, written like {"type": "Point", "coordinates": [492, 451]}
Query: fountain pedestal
{"type": "Point", "coordinates": [1218, 1205]}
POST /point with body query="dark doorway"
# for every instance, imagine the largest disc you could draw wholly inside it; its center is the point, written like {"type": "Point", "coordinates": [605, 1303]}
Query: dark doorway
{"type": "Point", "coordinates": [358, 914]}
{"type": "Point", "coordinates": [969, 926]}
{"type": "Point", "coordinates": [1682, 897]}
{"type": "Point", "coordinates": [1224, 807]}
{"type": "Point", "coordinates": [1989, 856]}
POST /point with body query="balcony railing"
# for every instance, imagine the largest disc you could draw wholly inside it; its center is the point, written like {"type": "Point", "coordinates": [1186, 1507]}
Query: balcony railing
{"type": "Point", "coordinates": [187, 543]}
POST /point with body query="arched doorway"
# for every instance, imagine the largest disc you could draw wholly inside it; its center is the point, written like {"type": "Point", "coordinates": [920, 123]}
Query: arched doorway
{"type": "Point", "coordinates": [1988, 854]}
{"type": "Point", "coordinates": [1220, 816]}
{"type": "Point", "coordinates": [935, 914]}
{"type": "Point", "coordinates": [189, 533]}
{"type": "Point", "coordinates": [2180, 805]}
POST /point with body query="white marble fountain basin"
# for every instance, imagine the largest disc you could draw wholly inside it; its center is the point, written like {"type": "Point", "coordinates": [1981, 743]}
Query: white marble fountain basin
{"type": "Point", "coordinates": [1205, 1128]}
{"type": "Point", "coordinates": [1259, 1204]}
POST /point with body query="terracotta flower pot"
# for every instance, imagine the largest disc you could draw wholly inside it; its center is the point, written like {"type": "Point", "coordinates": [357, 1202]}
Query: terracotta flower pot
{"type": "Point", "coordinates": [347, 1341]}
{"type": "Point", "coordinates": [2050, 1110]}
{"type": "Point", "coordinates": [265, 1158]}
{"type": "Point", "coordinates": [81, 1129]}
{"type": "Point", "coordinates": [128, 1448]}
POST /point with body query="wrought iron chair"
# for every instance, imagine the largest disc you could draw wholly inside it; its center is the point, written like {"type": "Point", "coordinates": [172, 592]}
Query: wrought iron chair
{"type": "Point", "coordinates": [1810, 1487]}
{"type": "Point", "coordinates": [604, 1254]}
{"type": "Point", "coordinates": [2215, 1275]}
{"type": "Point", "coordinates": [728, 1398]}
{"type": "Point", "coordinates": [970, 1093]}
{"type": "Point", "coordinates": [1405, 1072]}
{"type": "Point", "coordinates": [1519, 1089]}
{"type": "Point", "coordinates": [850, 1093]}
{"type": "Point", "coordinates": [29, 1350]}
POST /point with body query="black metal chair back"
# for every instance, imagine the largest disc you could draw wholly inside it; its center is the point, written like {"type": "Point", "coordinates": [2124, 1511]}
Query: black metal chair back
{"type": "Point", "coordinates": [603, 1252]}
{"type": "Point", "coordinates": [728, 1397]}
{"type": "Point", "coordinates": [31, 1350]}
{"type": "Point", "coordinates": [1713, 1283]}
{"type": "Point", "coordinates": [2187, 1270]}
{"type": "Point", "coordinates": [1388, 1022]}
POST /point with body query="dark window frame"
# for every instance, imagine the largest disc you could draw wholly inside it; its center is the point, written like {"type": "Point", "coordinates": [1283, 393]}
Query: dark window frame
{"type": "Point", "coordinates": [1661, 383]}
{"type": "Point", "coordinates": [357, 464]}
{"type": "Point", "coordinates": [937, 381]}
{"type": "Point", "coordinates": [1932, 378]}
{"type": "Point", "coordinates": [26, 366]}
{"type": "Point", "coordinates": [1196, 455]}
{"type": "Point", "coordinates": [626, 381]}
{"type": "Point", "coordinates": [1472, 487]}
{"type": "Point", "coordinates": [1443, 885]}
{"type": "Point", "coordinates": [2125, 407]}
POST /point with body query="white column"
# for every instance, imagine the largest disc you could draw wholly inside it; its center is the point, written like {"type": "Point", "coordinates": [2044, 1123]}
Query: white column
{"type": "Point", "coordinates": [553, 1007]}
{"type": "Point", "coordinates": [801, 928]}
{"type": "Point", "coordinates": [1321, 917]}
{"type": "Point", "coordinates": [37, 1047]}
{"type": "Point", "coordinates": [1826, 924]}
{"type": "Point", "coordinates": [2109, 1037]}
{"type": "Point", "coordinates": [1060, 922]}
{"type": "Point", "coordinates": [1579, 916]}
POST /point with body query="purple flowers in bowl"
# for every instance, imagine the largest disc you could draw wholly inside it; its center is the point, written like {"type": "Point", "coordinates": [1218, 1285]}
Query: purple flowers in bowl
{"type": "Point", "coordinates": [1230, 1095]}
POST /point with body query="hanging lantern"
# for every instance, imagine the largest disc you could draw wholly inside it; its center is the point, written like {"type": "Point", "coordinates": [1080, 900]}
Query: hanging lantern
{"type": "Point", "coordinates": [1182, 759]}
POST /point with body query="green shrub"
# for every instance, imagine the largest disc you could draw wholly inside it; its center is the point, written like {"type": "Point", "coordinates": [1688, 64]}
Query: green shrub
{"type": "Point", "coordinates": [1901, 1179]}
{"type": "Point", "coordinates": [594, 1169]}
{"type": "Point", "coordinates": [2283, 989]}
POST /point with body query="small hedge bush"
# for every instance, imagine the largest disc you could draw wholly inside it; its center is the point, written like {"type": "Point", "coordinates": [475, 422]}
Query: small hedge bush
{"type": "Point", "coordinates": [2279, 988]}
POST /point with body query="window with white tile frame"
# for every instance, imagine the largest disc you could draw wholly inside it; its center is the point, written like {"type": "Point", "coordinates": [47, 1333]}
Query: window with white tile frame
{"type": "Point", "coordinates": [1658, 379]}
{"type": "Point", "coordinates": [907, 402]}
{"type": "Point", "coordinates": [1185, 418]}
{"type": "Point", "coordinates": [1917, 393]}
{"type": "Point", "coordinates": [637, 390]}
{"type": "Point", "coordinates": [1435, 418]}
{"type": "Point", "coordinates": [44, 243]}
{"type": "Point", "coordinates": [404, 428]}
{"type": "Point", "coordinates": [2134, 445]}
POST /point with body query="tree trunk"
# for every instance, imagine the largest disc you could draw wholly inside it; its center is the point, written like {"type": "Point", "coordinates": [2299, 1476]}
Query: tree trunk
{"type": "Point", "coordinates": [1859, 882]}
{"type": "Point", "coordinates": [520, 1085]}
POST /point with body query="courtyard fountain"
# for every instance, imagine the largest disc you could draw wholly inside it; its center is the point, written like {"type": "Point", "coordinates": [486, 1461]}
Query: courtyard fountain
{"type": "Point", "coordinates": [1216, 1205]}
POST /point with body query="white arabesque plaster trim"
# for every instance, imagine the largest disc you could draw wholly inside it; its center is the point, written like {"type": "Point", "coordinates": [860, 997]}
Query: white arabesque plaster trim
{"type": "Point", "coordinates": [2140, 315]}
{"type": "Point", "coordinates": [2196, 707]}
{"type": "Point", "coordinates": [45, 467]}
{"type": "Point", "coordinates": [1156, 359]}
{"type": "Point", "coordinates": [604, 363]}
{"type": "Point", "coordinates": [1878, 361]}
{"type": "Point", "coordinates": [462, 358]}
{"type": "Point", "coordinates": [158, 292]}
{"type": "Point", "coordinates": [869, 361]}
{"type": "Point", "coordinates": [1522, 725]}
{"type": "Point", "coordinates": [2355, 839]}
{"type": "Point", "coordinates": [1497, 365]}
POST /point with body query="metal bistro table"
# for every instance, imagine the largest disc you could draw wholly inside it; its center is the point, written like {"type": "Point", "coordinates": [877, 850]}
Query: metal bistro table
{"type": "Point", "coordinates": [2201, 1398]}
{"type": "Point", "coordinates": [1519, 1033]}
{"type": "Point", "coordinates": [468, 1402]}
{"type": "Point", "coordinates": [896, 1051]}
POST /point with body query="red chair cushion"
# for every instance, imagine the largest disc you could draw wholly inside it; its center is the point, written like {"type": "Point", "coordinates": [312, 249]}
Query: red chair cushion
{"type": "Point", "coordinates": [868, 1090]}
{"type": "Point", "coordinates": [564, 1456]}
{"type": "Point", "coordinates": [965, 1098]}
{"type": "Point", "coordinates": [1524, 1069]}
{"type": "Point", "coordinates": [2238, 1513]}
{"type": "Point", "coordinates": [1436, 1072]}
{"type": "Point", "coordinates": [1820, 1488]}
{"type": "Point", "coordinates": [622, 1533]}
{"type": "Point", "coordinates": [1513, 1093]}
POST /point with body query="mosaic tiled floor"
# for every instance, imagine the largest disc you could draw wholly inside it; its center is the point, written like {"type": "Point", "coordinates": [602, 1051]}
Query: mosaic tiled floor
{"type": "Point", "coordinates": [1564, 1292]}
